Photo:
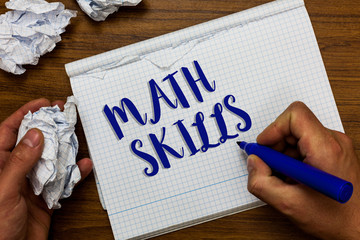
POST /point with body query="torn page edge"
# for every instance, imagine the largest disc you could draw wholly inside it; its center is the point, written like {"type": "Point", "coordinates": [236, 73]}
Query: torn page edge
{"type": "Point", "coordinates": [171, 40]}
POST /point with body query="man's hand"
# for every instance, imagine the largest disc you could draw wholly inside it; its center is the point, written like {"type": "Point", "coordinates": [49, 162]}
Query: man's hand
{"type": "Point", "coordinates": [24, 215]}
{"type": "Point", "coordinates": [299, 134]}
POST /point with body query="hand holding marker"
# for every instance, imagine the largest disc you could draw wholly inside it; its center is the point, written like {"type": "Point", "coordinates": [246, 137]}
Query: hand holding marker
{"type": "Point", "coordinates": [329, 185]}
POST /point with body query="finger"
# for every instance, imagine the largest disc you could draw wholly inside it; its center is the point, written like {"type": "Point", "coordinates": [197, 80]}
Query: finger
{"type": "Point", "coordinates": [284, 144]}
{"type": "Point", "coordinates": [59, 103]}
{"type": "Point", "coordinates": [268, 188]}
{"type": "Point", "coordinates": [293, 152]}
{"type": "Point", "coordinates": [4, 155]}
{"type": "Point", "coordinates": [298, 122]}
{"type": "Point", "coordinates": [9, 128]}
{"type": "Point", "coordinates": [23, 158]}
{"type": "Point", "coordinates": [294, 121]}
{"type": "Point", "coordinates": [85, 166]}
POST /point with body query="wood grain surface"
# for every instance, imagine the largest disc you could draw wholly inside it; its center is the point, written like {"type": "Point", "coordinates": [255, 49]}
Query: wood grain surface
{"type": "Point", "coordinates": [337, 28]}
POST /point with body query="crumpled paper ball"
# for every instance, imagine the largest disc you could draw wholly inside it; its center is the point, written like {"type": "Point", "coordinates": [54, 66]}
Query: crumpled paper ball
{"type": "Point", "coordinates": [56, 173]}
{"type": "Point", "coordinates": [29, 31]}
{"type": "Point", "coordinates": [98, 10]}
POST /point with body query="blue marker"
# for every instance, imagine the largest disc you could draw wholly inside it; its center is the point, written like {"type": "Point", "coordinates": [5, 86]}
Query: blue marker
{"type": "Point", "coordinates": [333, 187]}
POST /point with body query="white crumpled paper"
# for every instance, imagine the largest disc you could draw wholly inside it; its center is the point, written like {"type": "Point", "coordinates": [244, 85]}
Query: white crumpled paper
{"type": "Point", "coordinates": [31, 30]}
{"type": "Point", "coordinates": [100, 9]}
{"type": "Point", "coordinates": [56, 173]}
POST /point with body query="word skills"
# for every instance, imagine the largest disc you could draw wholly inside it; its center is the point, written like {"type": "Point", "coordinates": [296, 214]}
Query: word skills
{"type": "Point", "coordinates": [174, 100]}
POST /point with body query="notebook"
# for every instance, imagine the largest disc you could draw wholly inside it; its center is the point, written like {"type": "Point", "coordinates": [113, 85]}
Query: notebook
{"type": "Point", "coordinates": [162, 116]}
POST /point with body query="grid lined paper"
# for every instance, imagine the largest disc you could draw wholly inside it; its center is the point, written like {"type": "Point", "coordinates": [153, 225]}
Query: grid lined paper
{"type": "Point", "coordinates": [266, 57]}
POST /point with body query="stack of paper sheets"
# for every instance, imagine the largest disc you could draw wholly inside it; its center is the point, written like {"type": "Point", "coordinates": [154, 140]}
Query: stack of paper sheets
{"type": "Point", "coordinates": [162, 117]}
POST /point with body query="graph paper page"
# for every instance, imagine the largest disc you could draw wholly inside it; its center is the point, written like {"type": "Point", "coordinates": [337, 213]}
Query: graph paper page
{"type": "Point", "coordinates": [159, 171]}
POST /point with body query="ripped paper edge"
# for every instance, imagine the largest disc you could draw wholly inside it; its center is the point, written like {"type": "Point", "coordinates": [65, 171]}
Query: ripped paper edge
{"type": "Point", "coordinates": [137, 51]}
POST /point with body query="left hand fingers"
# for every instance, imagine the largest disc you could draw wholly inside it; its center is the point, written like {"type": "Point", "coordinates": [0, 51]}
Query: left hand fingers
{"type": "Point", "coordinates": [22, 159]}
{"type": "Point", "coordinates": [85, 166]}
{"type": "Point", "coordinates": [59, 103]}
{"type": "Point", "coordinates": [9, 128]}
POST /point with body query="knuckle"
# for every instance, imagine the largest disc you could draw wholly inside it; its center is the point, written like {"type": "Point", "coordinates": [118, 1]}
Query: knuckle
{"type": "Point", "coordinates": [346, 140]}
{"type": "Point", "coordinates": [297, 105]}
{"type": "Point", "coordinates": [17, 158]}
{"type": "Point", "coordinates": [255, 187]}
{"type": "Point", "coordinates": [299, 111]}
{"type": "Point", "coordinates": [335, 147]}
{"type": "Point", "coordinates": [287, 207]}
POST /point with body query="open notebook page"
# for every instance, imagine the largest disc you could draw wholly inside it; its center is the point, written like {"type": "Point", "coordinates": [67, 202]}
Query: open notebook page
{"type": "Point", "coordinates": [193, 93]}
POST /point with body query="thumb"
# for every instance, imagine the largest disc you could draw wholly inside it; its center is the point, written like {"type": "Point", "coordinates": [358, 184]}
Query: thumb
{"type": "Point", "coordinates": [268, 188]}
{"type": "Point", "coordinates": [23, 157]}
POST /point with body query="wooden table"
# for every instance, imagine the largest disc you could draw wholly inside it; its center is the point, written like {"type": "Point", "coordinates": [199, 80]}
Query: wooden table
{"type": "Point", "coordinates": [337, 27]}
